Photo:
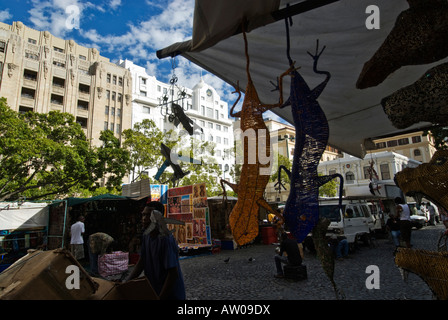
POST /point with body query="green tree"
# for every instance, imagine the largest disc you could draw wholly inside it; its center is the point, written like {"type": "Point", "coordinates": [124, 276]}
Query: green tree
{"type": "Point", "coordinates": [44, 155]}
{"type": "Point", "coordinates": [143, 143]}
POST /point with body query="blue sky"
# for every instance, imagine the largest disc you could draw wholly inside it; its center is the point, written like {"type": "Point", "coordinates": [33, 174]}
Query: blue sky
{"type": "Point", "coordinates": [122, 29]}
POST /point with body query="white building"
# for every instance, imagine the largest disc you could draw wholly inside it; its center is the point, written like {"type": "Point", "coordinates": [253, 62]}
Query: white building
{"type": "Point", "coordinates": [204, 106]}
{"type": "Point", "coordinates": [356, 172]}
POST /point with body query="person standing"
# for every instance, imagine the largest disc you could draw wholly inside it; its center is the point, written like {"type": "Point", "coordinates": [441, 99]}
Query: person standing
{"type": "Point", "coordinates": [393, 225]}
{"type": "Point", "coordinates": [432, 213]}
{"type": "Point", "coordinates": [77, 242]}
{"type": "Point", "coordinates": [405, 220]}
{"type": "Point", "coordinates": [159, 259]}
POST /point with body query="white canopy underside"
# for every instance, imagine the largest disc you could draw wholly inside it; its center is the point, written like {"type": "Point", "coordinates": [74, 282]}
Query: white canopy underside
{"type": "Point", "coordinates": [353, 114]}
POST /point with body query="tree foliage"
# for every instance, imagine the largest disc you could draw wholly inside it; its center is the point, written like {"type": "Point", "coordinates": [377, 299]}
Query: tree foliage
{"type": "Point", "coordinates": [43, 155]}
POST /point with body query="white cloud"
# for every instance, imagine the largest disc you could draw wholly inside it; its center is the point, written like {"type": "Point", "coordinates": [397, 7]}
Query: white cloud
{"type": "Point", "coordinates": [5, 15]}
{"type": "Point", "coordinates": [114, 4]}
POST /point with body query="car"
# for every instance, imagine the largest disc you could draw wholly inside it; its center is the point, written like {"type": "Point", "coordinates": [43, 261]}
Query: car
{"type": "Point", "coordinates": [419, 218]}
{"type": "Point", "coordinates": [353, 227]}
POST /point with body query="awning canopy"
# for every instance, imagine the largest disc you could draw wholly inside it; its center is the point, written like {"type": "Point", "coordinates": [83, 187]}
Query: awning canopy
{"type": "Point", "coordinates": [354, 115]}
{"type": "Point", "coordinates": [27, 215]}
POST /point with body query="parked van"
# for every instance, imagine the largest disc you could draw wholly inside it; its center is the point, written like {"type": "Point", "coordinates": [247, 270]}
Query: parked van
{"type": "Point", "coordinates": [353, 225]}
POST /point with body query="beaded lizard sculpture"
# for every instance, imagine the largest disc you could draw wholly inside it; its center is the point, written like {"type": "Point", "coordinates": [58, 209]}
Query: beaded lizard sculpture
{"type": "Point", "coordinates": [301, 212]}
{"type": "Point", "coordinates": [431, 266]}
{"type": "Point", "coordinates": [430, 179]}
{"type": "Point", "coordinates": [302, 207]}
{"type": "Point", "coordinates": [243, 218]}
{"type": "Point", "coordinates": [424, 100]}
{"type": "Point", "coordinates": [420, 36]}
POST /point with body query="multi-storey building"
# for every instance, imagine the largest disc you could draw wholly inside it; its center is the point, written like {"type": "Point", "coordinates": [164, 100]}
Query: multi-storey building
{"type": "Point", "coordinates": [414, 145]}
{"type": "Point", "coordinates": [40, 72]}
{"type": "Point", "coordinates": [202, 104]}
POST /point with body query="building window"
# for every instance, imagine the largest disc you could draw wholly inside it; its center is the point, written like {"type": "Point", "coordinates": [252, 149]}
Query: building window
{"type": "Point", "coordinates": [30, 75]}
{"type": "Point", "coordinates": [366, 172]}
{"type": "Point", "coordinates": [58, 82]}
{"type": "Point", "coordinates": [108, 77]}
{"type": "Point", "coordinates": [218, 139]}
{"type": "Point", "coordinates": [385, 173]}
{"type": "Point", "coordinates": [417, 153]}
{"type": "Point", "coordinates": [118, 128]}
{"type": "Point", "coordinates": [2, 46]}
{"type": "Point", "coordinates": [143, 81]}
{"type": "Point", "coordinates": [350, 176]}
{"type": "Point", "coordinates": [226, 129]}
{"type": "Point", "coordinates": [114, 80]}
{"type": "Point", "coordinates": [58, 49]}
{"type": "Point", "coordinates": [120, 81]}
{"type": "Point", "coordinates": [106, 110]}
{"type": "Point", "coordinates": [82, 122]}
{"type": "Point", "coordinates": [226, 141]}
{"type": "Point", "coordinates": [146, 110]}
{"type": "Point", "coordinates": [81, 57]}
{"type": "Point", "coordinates": [112, 127]}
{"type": "Point", "coordinates": [143, 93]}
{"type": "Point", "coordinates": [32, 41]}
{"type": "Point", "coordinates": [120, 97]}
{"type": "Point", "coordinates": [31, 55]}
{"type": "Point", "coordinates": [106, 125]}
{"type": "Point", "coordinates": [113, 95]}
{"type": "Point", "coordinates": [416, 139]}
{"type": "Point", "coordinates": [57, 99]}
{"type": "Point", "coordinates": [218, 127]}
{"type": "Point", "coordinates": [402, 142]}
{"type": "Point", "coordinates": [392, 143]}
{"type": "Point", "coordinates": [209, 112]}
{"type": "Point", "coordinates": [381, 145]}
{"type": "Point", "coordinates": [59, 64]}
{"type": "Point", "coordinates": [83, 105]}
{"type": "Point", "coordinates": [210, 125]}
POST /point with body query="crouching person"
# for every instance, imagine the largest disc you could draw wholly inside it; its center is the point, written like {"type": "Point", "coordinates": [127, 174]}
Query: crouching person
{"type": "Point", "coordinates": [292, 258]}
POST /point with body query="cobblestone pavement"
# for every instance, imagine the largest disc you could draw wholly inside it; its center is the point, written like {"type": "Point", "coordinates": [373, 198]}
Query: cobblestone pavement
{"type": "Point", "coordinates": [208, 277]}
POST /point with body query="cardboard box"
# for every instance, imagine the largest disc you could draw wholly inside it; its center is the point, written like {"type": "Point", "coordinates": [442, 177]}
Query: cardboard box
{"type": "Point", "coordinates": [138, 289]}
{"type": "Point", "coordinates": [46, 275]}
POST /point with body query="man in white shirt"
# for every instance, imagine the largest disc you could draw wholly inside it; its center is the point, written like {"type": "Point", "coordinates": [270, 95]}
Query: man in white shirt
{"type": "Point", "coordinates": [405, 221]}
{"type": "Point", "coordinates": [77, 242]}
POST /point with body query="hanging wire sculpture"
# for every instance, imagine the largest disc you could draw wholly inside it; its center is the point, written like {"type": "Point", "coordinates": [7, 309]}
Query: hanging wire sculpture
{"type": "Point", "coordinates": [420, 36]}
{"type": "Point", "coordinates": [431, 266]}
{"type": "Point", "coordinates": [302, 207]}
{"type": "Point", "coordinates": [424, 100]}
{"type": "Point", "coordinates": [429, 179]}
{"type": "Point", "coordinates": [173, 106]}
{"type": "Point", "coordinates": [301, 212]}
{"type": "Point", "coordinates": [243, 218]}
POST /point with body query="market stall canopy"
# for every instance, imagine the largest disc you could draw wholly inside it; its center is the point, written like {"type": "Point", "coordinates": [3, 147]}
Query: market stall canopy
{"type": "Point", "coordinates": [27, 215]}
{"type": "Point", "coordinates": [355, 115]}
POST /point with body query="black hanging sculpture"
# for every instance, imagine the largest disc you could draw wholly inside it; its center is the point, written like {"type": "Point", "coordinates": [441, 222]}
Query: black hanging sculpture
{"type": "Point", "coordinates": [420, 36]}
{"type": "Point", "coordinates": [301, 212]}
{"type": "Point", "coordinates": [302, 207]}
{"type": "Point", "coordinates": [181, 117]}
{"type": "Point", "coordinates": [178, 173]}
{"type": "Point", "coordinates": [424, 100]}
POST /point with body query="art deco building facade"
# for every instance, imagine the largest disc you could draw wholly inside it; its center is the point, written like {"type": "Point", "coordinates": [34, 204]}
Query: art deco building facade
{"type": "Point", "coordinates": [40, 72]}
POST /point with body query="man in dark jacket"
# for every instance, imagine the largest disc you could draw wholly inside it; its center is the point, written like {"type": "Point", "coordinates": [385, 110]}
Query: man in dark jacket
{"type": "Point", "coordinates": [292, 258]}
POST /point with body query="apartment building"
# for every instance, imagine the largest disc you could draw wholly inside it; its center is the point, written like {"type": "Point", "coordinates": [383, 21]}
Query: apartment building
{"type": "Point", "coordinates": [202, 104]}
{"type": "Point", "coordinates": [414, 145]}
{"type": "Point", "coordinates": [40, 72]}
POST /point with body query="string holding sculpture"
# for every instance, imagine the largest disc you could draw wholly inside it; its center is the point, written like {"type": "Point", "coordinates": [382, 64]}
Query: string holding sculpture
{"type": "Point", "coordinates": [430, 179]}
{"type": "Point", "coordinates": [419, 36]}
{"type": "Point", "coordinates": [254, 177]}
{"type": "Point", "coordinates": [301, 210]}
{"type": "Point", "coordinates": [424, 100]}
